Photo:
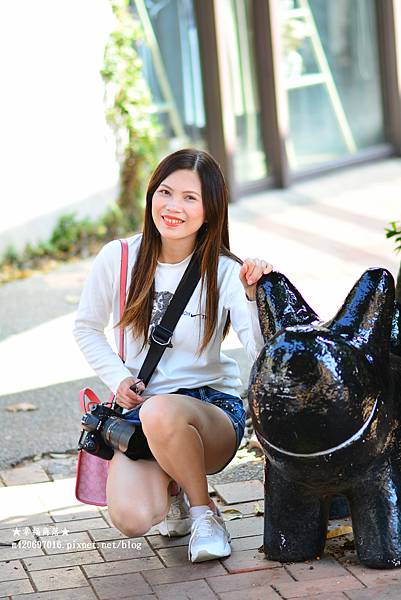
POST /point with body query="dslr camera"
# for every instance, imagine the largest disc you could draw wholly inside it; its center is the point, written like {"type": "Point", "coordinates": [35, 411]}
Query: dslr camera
{"type": "Point", "coordinates": [104, 430]}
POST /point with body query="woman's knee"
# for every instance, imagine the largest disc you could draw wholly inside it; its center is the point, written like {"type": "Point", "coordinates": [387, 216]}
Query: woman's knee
{"type": "Point", "coordinates": [130, 520]}
{"type": "Point", "coordinates": [160, 416]}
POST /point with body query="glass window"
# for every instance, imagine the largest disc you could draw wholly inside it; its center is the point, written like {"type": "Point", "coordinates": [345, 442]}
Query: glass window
{"type": "Point", "coordinates": [171, 67]}
{"type": "Point", "coordinates": [332, 79]}
{"type": "Point", "coordinates": [241, 112]}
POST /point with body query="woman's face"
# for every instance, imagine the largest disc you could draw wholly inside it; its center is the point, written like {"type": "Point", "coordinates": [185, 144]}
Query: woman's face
{"type": "Point", "coordinates": [177, 207]}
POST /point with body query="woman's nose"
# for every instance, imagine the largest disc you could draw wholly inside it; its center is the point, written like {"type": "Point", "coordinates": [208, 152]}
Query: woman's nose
{"type": "Point", "coordinates": [173, 204]}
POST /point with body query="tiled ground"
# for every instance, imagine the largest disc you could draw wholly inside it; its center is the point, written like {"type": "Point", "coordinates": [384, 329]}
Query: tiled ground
{"type": "Point", "coordinates": [54, 548]}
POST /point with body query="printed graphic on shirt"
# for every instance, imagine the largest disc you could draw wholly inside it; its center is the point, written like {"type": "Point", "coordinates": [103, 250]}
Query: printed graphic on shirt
{"type": "Point", "coordinates": [160, 304]}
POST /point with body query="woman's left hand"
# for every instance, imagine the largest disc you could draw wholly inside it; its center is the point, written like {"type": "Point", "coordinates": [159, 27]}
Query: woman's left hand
{"type": "Point", "coordinates": [251, 271]}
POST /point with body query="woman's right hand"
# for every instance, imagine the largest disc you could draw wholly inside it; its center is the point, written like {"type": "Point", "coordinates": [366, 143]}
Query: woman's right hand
{"type": "Point", "coordinates": [125, 396]}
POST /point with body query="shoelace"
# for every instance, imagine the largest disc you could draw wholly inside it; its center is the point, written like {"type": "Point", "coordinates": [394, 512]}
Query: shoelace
{"type": "Point", "coordinates": [203, 525]}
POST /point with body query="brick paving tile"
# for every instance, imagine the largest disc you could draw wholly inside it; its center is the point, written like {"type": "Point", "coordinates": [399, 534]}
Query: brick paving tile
{"type": "Point", "coordinates": [391, 592]}
{"type": "Point", "coordinates": [124, 549]}
{"type": "Point", "coordinates": [259, 593]}
{"type": "Point", "coordinates": [67, 594]}
{"type": "Point", "coordinates": [84, 524]}
{"type": "Point", "coordinates": [240, 491]}
{"type": "Point", "coordinates": [121, 586]}
{"type": "Point", "coordinates": [62, 560]}
{"type": "Point", "coordinates": [187, 572]}
{"type": "Point", "coordinates": [298, 589]}
{"type": "Point", "coordinates": [74, 513]}
{"type": "Point", "coordinates": [119, 567]}
{"type": "Point", "coordinates": [188, 590]}
{"type": "Point", "coordinates": [316, 569]}
{"type": "Point", "coordinates": [12, 570]}
{"type": "Point", "coordinates": [10, 553]}
{"type": "Point", "coordinates": [245, 527]}
{"type": "Point", "coordinates": [59, 544]}
{"type": "Point", "coordinates": [246, 581]}
{"type": "Point", "coordinates": [106, 516]}
{"type": "Point", "coordinates": [58, 579]}
{"type": "Point", "coordinates": [210, 489]}
{"type": "Point", "coordinates": [248, 560]}
{"type": "Point", "coordinates": [152, 531]}
{"type": "Point", "coordinates": [41, 518]}
{"type": "Point", "coordinates": [110, 533]}
{"type": "Point", "coordinates": [253, 542]}
{"type": "Point", "coordinates": [8, 536]}
{"type": "Point", "coordinates": [328, 596]}
{"type": "Point", "coordinates": [32, 473]}
{"type": "Point", "coordinates": [18, 586]}
{"type": "Point", "coordinates": [174, 557]}
{"type": "Point", "coordinates": [161, 541]}
{"type": "Point", "coordinates": [374, 577]}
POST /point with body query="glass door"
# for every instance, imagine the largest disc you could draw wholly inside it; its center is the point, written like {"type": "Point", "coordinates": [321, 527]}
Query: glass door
{"type": "Point", "coordinates": [330, 66]}
{"type": "Point", "coordinates": [241, 112]}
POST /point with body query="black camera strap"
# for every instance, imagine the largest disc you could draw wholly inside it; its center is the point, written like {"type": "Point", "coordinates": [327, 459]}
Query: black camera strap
{"type": "Point", "coordinates": [161, 334]}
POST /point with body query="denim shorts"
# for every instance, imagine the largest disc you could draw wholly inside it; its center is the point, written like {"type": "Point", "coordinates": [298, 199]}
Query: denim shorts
{"type": "Point", "coordinates": [231, 405]}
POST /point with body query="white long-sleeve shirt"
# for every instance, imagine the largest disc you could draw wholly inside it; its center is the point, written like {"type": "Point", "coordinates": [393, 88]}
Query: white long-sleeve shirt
{"type": "Point", "coordinates": [180, 366]}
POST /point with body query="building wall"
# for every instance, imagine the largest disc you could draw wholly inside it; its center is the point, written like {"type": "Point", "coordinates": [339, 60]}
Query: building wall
{"type": "Point", "coordinates": [56, 151]}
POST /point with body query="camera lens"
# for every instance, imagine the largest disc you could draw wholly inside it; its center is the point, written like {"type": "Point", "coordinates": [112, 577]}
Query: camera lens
{"type": "Point", "coordinates": [118, 432]}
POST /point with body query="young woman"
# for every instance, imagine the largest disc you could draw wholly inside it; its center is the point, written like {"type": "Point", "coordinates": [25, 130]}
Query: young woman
{"type": "Point", "coordinates": [191, 412]}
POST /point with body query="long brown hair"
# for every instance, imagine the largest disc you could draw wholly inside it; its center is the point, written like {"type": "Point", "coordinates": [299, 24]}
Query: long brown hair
{"type": "Point", "coordinates": [211, 242]}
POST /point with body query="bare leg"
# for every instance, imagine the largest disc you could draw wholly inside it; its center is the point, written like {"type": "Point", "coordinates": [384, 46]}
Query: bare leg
{"type": "Point", "coordinates": [137, 494]}
{"type": "Point", "coordinates": [189, 438]}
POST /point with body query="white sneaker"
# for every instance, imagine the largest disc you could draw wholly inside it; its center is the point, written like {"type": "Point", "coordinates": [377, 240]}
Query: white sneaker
{"type": "Point", "coordinates": [209, 538]}
{"type": "Point", "coordinates": [178, 520]}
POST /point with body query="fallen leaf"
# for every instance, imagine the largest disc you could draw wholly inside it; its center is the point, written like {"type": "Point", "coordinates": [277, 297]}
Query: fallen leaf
{"type": "Point", "coordinates": [337, 531]}
{"type": "Point", "coordinates": [258, 510]}
{"type": "Point", "coordinates": [59, 455]}
{"type": "Point", "coordinates": [231, 513]}
{"type": "Point", "coordinates": [21, 407]}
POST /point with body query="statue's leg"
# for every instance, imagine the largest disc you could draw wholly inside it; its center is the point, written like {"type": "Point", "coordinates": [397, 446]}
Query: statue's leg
{"type": "Point", "coordinates": [339, 508]}
{"type": "Point", "coordinates": [376, 518]}
{"type": "Point", "coordinates": [295, 521]}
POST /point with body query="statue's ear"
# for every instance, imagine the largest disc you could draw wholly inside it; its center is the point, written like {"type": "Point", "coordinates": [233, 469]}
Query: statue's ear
{"type": "Point", "coordinates": [281, 305]}
{"type": "Point", "coordinates": [366, 316]}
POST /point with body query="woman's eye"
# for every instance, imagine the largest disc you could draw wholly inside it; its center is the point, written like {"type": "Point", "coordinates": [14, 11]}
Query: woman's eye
{"type": "Point", "coordinates": [190, 198]}
{"type": "Point", "coordinates": [164, 192]}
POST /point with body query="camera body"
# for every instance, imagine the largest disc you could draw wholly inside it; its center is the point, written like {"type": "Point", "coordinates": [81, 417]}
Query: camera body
{"type": "Point", "coordinates": [104, 430]}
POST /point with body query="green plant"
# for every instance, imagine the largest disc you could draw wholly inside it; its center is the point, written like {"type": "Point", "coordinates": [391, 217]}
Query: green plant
{"type": "Point", "coordinates": [395, 231]}
{"type": "Point", "coordinates": [129, 109]}
{"type": "Point", "coordinates": [10, 255]}
{"type": "Point", "coordinates": [72, 237]}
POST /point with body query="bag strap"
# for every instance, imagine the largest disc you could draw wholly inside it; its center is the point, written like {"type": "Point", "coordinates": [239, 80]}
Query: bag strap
{"type": "Point", "coordinates": [162, 333]}
{"type": "Point", "coordinates": [123, 293]}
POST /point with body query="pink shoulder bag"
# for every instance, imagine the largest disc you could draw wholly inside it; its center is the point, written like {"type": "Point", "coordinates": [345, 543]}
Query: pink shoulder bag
{"type": "Point", "coordinates": [92, 471]}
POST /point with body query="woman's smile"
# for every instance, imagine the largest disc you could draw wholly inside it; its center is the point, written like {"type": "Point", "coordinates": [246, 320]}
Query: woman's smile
{"type": "Point", "coordinates": [172, 221]}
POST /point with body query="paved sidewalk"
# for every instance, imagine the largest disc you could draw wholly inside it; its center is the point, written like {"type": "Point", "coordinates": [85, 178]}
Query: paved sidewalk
{"type": "Point", "coordinates": [60, 549]}
{"type": "Point", "coordinates": [322, 234]}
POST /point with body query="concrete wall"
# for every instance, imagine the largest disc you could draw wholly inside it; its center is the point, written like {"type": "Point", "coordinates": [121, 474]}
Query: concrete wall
{"type": "Point", "coordinates": [56, 151]}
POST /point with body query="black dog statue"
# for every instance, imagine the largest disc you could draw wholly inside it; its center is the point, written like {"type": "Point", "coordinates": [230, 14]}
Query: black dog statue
{"type": "Point", "coordinates": [325, 400]}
